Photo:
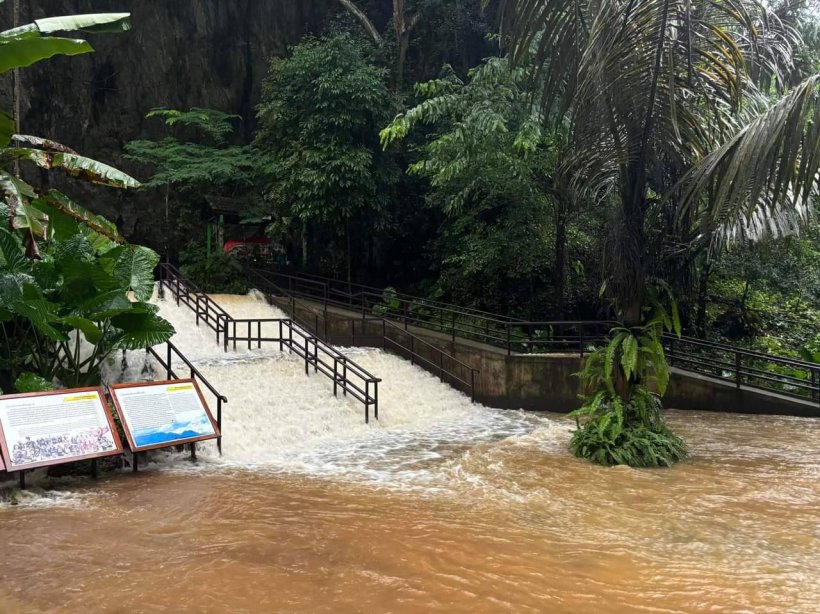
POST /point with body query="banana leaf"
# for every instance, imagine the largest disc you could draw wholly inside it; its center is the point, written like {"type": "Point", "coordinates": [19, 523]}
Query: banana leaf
{"type": "Point", "coordinates": [75, 165]}
{"type": "Point", "coordinates": [23, 52]}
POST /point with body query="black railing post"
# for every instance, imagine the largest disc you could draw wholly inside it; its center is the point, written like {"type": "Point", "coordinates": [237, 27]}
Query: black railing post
{"type": "Point", "coordinates": [219, 424]}
{"type": "Point", "coordinates": [738, 379]}
{"type": "Point", "coordinates": [335, 376]}
{"type": "Point", "coordinates": [367, 401]}
{"type": "Point", "coordinates": [168, 363]}
{"type": "Point", "coordinates": [281, 338]}
{"type": "Point", "coordinates": [376, 398]}
{"type": "Point", "coordinates": [250, 347]}
{"type": "Point", "coordinates": [581, 339]}
{"type": "Point", "coordinates": [161, 288]}
{"type": "Point", "coordinates": [472, 385]}
{"type": "Point", "coordinates": [234, 333]}
{"type": "Point", "coordinates": [177, 279]}
{"type": "Point", "coordinates": [197, 309]}
{"type": "Point", "coordinates": [454, 326]}
{"type": "Point", "coordinates": [307, 357]}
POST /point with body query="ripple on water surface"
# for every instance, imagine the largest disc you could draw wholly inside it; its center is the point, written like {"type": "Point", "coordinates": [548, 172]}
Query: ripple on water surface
{"type": "Point", "coordinates": [442, 505]}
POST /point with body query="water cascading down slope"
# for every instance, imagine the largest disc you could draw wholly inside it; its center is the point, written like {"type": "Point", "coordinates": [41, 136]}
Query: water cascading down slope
{"type": "Point", "coordinates": [279, 418]}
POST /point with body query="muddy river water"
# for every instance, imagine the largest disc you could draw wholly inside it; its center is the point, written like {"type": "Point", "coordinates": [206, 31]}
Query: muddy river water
{"type": "Point", "coordinates": [510, 525]}
{"type": "Point", "coordinates": [441, 506]}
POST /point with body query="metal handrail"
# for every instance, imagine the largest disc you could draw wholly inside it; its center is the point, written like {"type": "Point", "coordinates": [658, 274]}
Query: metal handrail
{"type": "Point", "coordinates": [225, 327]}
{"type": "Point", "coordinates": [329, 283]}
{"type": "Point", "coordinates": [528, 337]}
{"type": "Point", "coordinates": [195, 374]}
{"type": "Point", "coordinates": [261, 276]}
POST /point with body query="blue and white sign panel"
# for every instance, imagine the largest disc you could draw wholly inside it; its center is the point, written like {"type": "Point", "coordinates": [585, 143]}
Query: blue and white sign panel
{"type": "Point", "coordinates": [162, 414]}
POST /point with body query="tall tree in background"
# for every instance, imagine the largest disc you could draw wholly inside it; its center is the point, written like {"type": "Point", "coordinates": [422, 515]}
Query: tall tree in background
{"type": "Point", "coordinates": [490, 159]}
{"type": "Point", "coordinates": [674, 127]}
{"type": "Point", "coordinates": [318, 130]}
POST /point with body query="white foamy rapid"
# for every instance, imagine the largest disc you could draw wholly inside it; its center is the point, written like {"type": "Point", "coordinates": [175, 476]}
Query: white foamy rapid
{"type": "Point", "coordinates": [279, 419]}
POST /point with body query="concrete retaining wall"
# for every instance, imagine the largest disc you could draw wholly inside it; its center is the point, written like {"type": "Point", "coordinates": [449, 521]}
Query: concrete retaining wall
{"type": "Point", "coordinates": [529, 381]}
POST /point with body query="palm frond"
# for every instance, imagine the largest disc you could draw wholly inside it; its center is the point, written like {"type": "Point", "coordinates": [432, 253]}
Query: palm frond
{"type": "Point", "coordinates": [760, 181]}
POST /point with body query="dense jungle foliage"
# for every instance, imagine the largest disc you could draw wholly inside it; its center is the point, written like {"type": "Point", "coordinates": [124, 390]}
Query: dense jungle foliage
{"type": "Point", "coordinates": [462, 204]}
{"type": "Point", "coordinates": [652, 163]}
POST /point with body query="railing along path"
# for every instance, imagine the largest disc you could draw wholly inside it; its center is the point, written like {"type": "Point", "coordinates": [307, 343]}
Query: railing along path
{"type": "Point", "coordinates": [790, 377]}
{"type": "Point", "coordinates": [392, 336]}
{"type": "Point", "coordinates": [346, 375]}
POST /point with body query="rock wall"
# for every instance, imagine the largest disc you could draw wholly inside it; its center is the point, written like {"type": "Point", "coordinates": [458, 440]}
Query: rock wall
{"type": "Point", "coordinates": [180, 53]}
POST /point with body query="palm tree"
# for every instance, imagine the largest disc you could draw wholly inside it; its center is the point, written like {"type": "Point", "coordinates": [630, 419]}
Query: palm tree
{"type": "Point", "coordinates": [674, 121]}
{"type": "Point", "coordinates": [686, 122]}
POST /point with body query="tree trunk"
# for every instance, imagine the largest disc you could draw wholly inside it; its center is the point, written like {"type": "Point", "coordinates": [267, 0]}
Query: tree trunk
{"type": "Point", "coordinates": [305, 245]}
{"type": "Point", "coordinates": [17, 87]}
{"type": "Point", "coordinates": [703, 297]}
{"type": "Point", "coordinates": [404, 28]}
{"type": "Point", "coordinates": [363, 19]}
{"type": "Point", "coordinates": [559, 271]}
{"type": "Point", "coordinates": [349, 255]}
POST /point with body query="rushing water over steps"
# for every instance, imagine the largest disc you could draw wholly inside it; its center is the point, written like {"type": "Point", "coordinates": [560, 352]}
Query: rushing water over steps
{"type": "Point", "coordinates": [440, 506]}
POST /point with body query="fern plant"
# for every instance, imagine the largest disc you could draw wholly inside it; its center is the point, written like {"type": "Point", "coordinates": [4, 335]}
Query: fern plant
{"type": "Point", "coordinates": [620, 421]}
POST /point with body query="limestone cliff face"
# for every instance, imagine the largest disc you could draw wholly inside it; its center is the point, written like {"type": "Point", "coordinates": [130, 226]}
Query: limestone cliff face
{"type": "Point", "coordinates": [180, 53]}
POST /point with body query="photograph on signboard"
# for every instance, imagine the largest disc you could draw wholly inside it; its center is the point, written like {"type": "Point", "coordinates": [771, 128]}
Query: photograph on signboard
{"type": "Point", "coordinates": [162, 414]}
{"type": "Point", "coordinates": [49, 428]}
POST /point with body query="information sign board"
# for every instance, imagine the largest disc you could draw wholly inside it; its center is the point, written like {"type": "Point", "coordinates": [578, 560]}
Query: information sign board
{"type": "Point", "coordinates": [162, 414]}
{"type": "Point", "coordinates": [51, 428]}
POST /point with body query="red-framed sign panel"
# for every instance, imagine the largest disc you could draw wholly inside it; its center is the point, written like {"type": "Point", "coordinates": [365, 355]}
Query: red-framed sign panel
{"type": "Point", "coordinates": [41, 429]}
{"type": "Point", "coordinates": [136, 402]}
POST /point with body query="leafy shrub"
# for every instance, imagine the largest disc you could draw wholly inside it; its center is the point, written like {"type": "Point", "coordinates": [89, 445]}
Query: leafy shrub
{"type": "Point", "coordinates": [63, 314]}
{"type": "Point", "coordinates": [219, 272]}
{"type": "Point", "coordinates": [623, 424]}
{"type": "Point", "coordinates": [632, 433]}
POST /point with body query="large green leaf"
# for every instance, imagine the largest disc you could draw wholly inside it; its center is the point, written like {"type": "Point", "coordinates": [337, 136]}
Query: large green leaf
{"type": "Point", "coordinates": [68, 219]}
{"type": "Point", "coordinates": [23, 52]}
{"type": "Point", "coordinates": [94, 22]}
{"type": "Point", "coordinates": [12, 254]}
{"type": "Point", "coordinates": [42, 143]}
{"type": "Point", "coordinates": [91, 331]}
{"type": "Point", "coordinates": [104, 305]}
{"type": "Point", "coordinates": [31, 382]}
{"type": "Point", "coordinates": [135, 270]}
{"type": "Point", "coordinates": [40, 312]}
{"type": "Point", "coordinates": [11, 287]}
{"type": "Point", "coordinates": [83, 280]}
{"type": "Point", "coordinates": [75, 165]}
{"type": "Point", "coordinates": [6, 128]}
{"type": "Point", "coordinates": [28, 218]}
{"type": "Point", "coordinates": [140, 330]}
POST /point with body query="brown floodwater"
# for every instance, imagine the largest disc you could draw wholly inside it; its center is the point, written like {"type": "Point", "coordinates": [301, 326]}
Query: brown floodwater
{"type": "Point", "coordinates": [494, 524]}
